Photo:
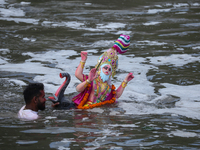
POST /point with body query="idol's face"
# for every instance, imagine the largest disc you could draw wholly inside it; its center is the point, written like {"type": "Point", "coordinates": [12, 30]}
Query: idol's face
{"type": "Point", "coordinates": [107, 70]}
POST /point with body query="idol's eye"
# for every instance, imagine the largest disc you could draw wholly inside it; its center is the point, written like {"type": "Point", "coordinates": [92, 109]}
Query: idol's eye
{"type": "Point", "coordinates": [105, 67]}
{"type": "Point", "coordinates": [109, 69]}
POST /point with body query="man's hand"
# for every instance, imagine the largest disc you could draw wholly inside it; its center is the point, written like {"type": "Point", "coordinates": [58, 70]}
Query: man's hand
{"type": "Point", "coordinates": [55, 104]}
{"type": "Point", "coordinates": [83, 55]}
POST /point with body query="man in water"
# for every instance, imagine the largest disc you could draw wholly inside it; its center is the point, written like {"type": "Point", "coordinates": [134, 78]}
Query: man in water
{"type": "Point", "coordinates": [34, 97]}
{"type": "Point", "coordinates": [97, 89]}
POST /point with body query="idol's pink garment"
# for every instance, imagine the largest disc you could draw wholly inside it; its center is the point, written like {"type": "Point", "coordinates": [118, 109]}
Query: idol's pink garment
{"type": "Point", "coordinates": [77, 99]}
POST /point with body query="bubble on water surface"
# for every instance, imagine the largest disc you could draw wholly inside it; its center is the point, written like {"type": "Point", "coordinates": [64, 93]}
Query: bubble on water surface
{"type": "Point", "coordinates": [182, 133]}
{"type": "Point", "coordinates": [26, 142]}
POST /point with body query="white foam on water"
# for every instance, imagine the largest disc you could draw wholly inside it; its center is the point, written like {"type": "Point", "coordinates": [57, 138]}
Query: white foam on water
{"type": "Point", "coordinates": [4, 51]}
{"type": "Point", "coordinates": [195, 4]}
{"type": "Point", "coordinates": [51, 56]}
{"type": "Point", "coordinates": [85, 118]}
{"type": "Point", "coordinates": [88, 4]}
{"type": "Point", "coordinates": [28, 67]}
{"type": "Point", "coordinates": [98, 110]}
{"type": "Point", "coordinates": [102, 43]}
{"type": "Point", "coordinates": [18, 20]}
{"type": "Point", "coordinates": [182, 134]}
{"type": "Point", "coordinates": [2, 2]}
{"type": "Point", "coordinates": [186, 93]}
{"type": "Point", "coordinates": [123, 32]}
{"type": "Point", "coordinates": [23, 142]}
{"type": "Point", "coordinates": [115, 148]}
{"type": "Point", "coordinates": [123, 125]}
{"type": "Point", "coordinates": [50, 117]}
{"type": "Point", "coordinates": [189, 95]}
{"type": "Point", "coordinates": [180, 49]}
{"type": "Point", "coordinates": [151, 23]}
{"type": "Point", "coordinates": [106, 132]}
{"type": "Point", "coordinates": [180, 5]}
{"type": "Point", "coordinates": [174, 59]}
{"type": "Point", "coordinates": [25, 3]}
{"type": "Point", "coordinates": [191, 25]}
{"type": "Point", "coordinates": [168, 4]}
{"type": "Point", "coordinates": [147, 42]}
{"type": "Point", "coordinates": [196, 47]}
{"type": "Point", "coordinates": [11, 11]}
{"type": "Point", "coordinates": [190, 99]}
{"type": "Point", "coordinates": [70, 24]}
{"type": "Point", "coordinates": [139, 83]}
{"type": "Point", "coordinates": [181, 13]}
{"type": "Point", "coordinates": [139, 91]}
{"type": "Point", "coordinates": [154, 11]}
{"type": "Point", "coordinates": [3, 60]}
{"type": "Point", "coordinates": [51, 75]}
{"type": "Point", "coordinates": [81, 26]}
{"type": "Point", "coordinates": [158, 6]}
{"type": "Point", "coordinates": [8, 13]}
{"type": "Point", "coordinates": [18, 82]}
{"type": "Point", "coordinates": [137, 108]}
{"type": "Point", "coordinates": [29, 39]}
{"type": "Point", "coordinates": [111, 25]}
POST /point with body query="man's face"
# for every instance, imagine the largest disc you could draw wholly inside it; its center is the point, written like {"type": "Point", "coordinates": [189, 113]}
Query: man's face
{"type": "Point", "coordinates": [41, 101]}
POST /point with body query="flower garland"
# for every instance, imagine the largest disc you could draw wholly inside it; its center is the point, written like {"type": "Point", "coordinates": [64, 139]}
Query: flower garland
{"type": "Point", "coordinates": [85, 98]}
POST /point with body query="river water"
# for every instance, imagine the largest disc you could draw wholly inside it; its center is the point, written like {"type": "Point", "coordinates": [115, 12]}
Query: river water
{"type": "Point", "coordinates": [160, 107]}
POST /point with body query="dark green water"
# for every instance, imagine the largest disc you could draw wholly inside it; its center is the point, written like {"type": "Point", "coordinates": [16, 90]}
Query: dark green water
{"type": "Point", "coordinates": [160, 107]}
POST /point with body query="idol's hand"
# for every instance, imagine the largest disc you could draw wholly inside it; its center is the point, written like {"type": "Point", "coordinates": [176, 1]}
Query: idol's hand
{"type": "Point", "coordinates": [83, 55]}
{"type": "Point", "coordinates": [92, 74]}
{"type": "Point", "coordinates": [129, 77]}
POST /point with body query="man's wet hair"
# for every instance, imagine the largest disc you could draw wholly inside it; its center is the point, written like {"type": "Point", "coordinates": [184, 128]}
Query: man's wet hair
{"type": "Point", "coordinates": [33, 89]}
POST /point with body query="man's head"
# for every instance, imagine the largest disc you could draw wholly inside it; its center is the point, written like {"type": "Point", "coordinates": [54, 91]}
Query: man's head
{"type": "Point", "coordinates": [105, 72]}
{"type": "Point", "coordinates": [34, 95]}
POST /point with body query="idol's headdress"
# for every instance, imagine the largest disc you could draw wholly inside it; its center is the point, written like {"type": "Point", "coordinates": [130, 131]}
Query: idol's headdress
{"type": "Point", "coordinates": [110, 56]}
